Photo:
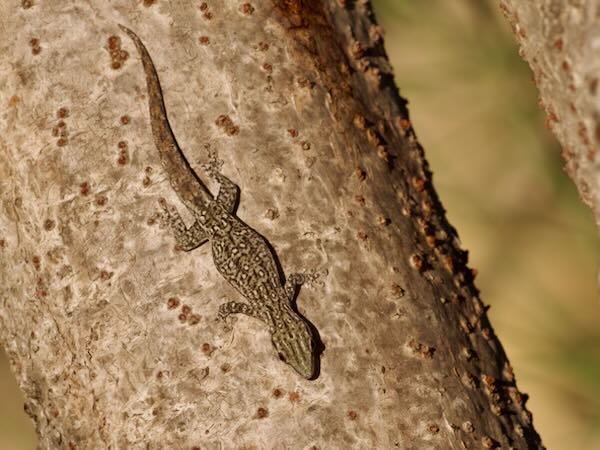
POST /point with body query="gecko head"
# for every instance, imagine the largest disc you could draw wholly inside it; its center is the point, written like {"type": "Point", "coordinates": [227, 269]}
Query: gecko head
{"type": "Point", "coordinates": [296, 346]}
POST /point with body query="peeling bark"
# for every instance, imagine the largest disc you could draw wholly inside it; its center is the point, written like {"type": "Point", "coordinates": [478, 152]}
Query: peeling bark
{"type": "Point", "coordinates": [558, 40]}
{"type": "Point", "coordinates": [298, 98]}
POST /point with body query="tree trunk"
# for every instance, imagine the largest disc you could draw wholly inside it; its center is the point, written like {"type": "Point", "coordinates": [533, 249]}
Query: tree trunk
{"type": "Point", "coordinates": [111, 330]}
{"type": "Point", "coordinates": [558, 40]}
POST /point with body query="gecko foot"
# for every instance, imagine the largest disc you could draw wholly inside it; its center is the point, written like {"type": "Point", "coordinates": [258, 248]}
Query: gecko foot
{"type": "Point", "coordinates": [186, 238]}
{"type": "Point", "coordinates": [168, 215]}
{"type": "Point", "coordinates": [214, 165]}
{"type": "Point", "coordinates": [294, 280]}
{"type": "Point", "coordinates": [308, 277]}
{"type": "Point", "coordinates": [165, 215]}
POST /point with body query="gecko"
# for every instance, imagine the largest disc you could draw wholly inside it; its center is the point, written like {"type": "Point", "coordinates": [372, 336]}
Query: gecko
{"type": "Point", "coordinates": [240, 254]}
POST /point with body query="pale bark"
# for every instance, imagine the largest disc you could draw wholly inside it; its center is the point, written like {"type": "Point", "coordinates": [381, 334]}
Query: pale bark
{"type": "Point", "coordinates": [559, 39]}
{"type": "Point", "coordinates": [330, 172]}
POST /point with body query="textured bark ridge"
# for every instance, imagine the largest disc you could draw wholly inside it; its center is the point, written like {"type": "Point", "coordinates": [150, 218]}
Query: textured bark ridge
{"type": "Point", "coordinates": [558, 40]}
{"type": "Point", "coordinates": [110, 330]}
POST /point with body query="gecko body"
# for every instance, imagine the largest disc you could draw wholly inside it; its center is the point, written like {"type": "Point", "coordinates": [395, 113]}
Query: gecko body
{"type": "Point", "coordinates": [241, 255]}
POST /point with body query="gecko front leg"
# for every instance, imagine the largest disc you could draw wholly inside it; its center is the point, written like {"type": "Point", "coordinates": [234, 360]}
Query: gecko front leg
{"type": "Point", "coordinates": [229, 308]}
{"type": "Point", "coordinates": [292, 283]}
{"type": "Point", "coordinates": [295, 280]}
{"type": "Point", "coordinates": [186, 238]}
{"type": "Point", "coordinates": [226, 309]}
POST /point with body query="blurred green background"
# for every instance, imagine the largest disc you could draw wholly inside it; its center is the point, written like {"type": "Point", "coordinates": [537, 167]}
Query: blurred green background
{"type": "Point", "coordinates": [499, 174]}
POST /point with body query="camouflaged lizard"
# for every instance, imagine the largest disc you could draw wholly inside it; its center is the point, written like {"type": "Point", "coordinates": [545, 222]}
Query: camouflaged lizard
{"type": "Point", "coordinates": [242, 256]}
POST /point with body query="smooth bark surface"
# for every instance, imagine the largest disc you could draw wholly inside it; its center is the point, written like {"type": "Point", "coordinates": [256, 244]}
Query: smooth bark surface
{"type": "Point", "coordinates": [559, 40]}
{"type": "Point", "coordinates": [110, 330]}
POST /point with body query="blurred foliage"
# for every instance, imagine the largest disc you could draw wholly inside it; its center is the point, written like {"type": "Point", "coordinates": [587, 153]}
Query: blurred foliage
{"type": "Point", "coordinates": [16, 428]}
{"type": "Point", "coordinates": [499, 175]}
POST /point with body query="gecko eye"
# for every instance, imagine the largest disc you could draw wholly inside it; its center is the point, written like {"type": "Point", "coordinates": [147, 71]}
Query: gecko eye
{"type": "Point", "coordinates": [281, 357]}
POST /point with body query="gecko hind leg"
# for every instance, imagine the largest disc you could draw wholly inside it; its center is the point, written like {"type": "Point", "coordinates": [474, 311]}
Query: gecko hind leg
{"type": "Point", "coordinates": [186, 238]}
{"type": "Point", "coordinates": [229, 192]}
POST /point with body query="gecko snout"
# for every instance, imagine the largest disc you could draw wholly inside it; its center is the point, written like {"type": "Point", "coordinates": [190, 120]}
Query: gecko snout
{"type": "Point", "coordinates": [296, 347]}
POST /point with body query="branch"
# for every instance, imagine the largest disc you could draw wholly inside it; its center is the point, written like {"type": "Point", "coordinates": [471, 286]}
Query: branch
{"type": "Point", "coordinates": [557, 39]}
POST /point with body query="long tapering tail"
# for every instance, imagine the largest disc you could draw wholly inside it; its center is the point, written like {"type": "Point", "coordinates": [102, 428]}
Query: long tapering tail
{"type": "Point", "coordinates": [184, 180]}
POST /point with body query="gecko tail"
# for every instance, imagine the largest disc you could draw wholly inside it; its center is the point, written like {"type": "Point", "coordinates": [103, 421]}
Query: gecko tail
{"type": "Point", "coordinates": [183, 179]}
{"type": "Point", "coordinates": [158, 112]}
